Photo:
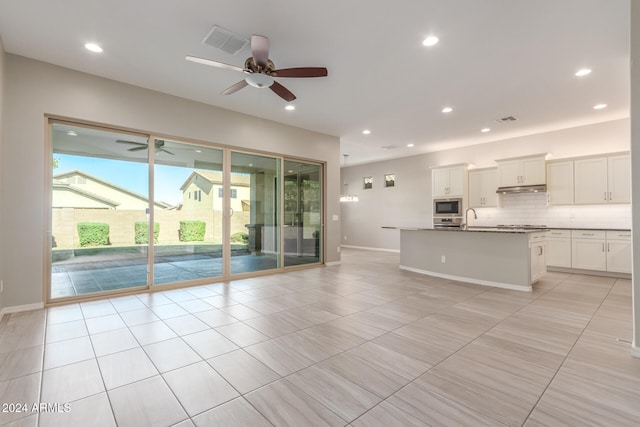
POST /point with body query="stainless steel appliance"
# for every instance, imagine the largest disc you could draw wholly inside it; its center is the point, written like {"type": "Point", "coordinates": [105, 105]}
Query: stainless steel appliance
{"type": "Point", "coordinates": [443, 208]}
{"type": "Point", "coordinates": [447, 222]}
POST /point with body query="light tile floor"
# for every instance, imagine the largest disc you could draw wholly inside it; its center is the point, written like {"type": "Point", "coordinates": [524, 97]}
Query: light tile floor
{"type": "Point", "coordinates": [361, 344]}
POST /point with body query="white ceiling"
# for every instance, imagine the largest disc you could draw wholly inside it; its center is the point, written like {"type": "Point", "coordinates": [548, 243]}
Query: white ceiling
{"type": "Point", "coordinates": [495, 58]}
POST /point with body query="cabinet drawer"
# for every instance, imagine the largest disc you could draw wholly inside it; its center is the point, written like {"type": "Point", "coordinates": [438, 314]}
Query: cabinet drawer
{"type": "Point", "coordinates": [618, 235]}
{"type": "Point", "coordinates": [559, 234]}
{"type": "Point", "coordinates": [537, 237]}
{"type": "Point", "coordinates": [588, 234]}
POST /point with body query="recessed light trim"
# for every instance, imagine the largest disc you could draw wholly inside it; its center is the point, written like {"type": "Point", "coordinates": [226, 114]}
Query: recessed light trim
{"type": "Point", "coordinates": [447, 109]}
{"type": "Point", "coordinates": [410, 145]}
{"type": "Point", "coordinates": [583, 72]}
{"type": "Point", "coordinates": [290, 107]}
{"type": "Point", "coordinates": [599, 106]}
{"type": "Point", "coordinates": [366, 132]}
{"type": "Point", "coordinates": [485, 130]}
{"type": "Point", "coordinates": [93, 47]}
{"type": "Point", "coordinates": [430, 41]}
{"type": "Point", "coordinates": [72, 133]}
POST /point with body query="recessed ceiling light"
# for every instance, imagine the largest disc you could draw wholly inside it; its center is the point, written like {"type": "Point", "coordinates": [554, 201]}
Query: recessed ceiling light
{"type": "Point", "coordinates": [430, 41]}
{"type": "Point", "coordinates": [583, 72]}
{"type": "Point", "coordinates": [198, 151]}
{"type": "Point", "coordinates": [290, 171]}
{"type": "Point", "coordinates": [599, 106]}
{"type": "Point", "coordinates": [250, 164]}
{"type": "Point", "coordinates": [485, 130]}
{"type": "Point", "coordinates": [72, 133]}
{"type": "Point", "coordinates": [93, 47]}
{"type": "Point", "coordinates": [410, 145]}
{"type": "Point", "coordinates": [366, 132]}
{"type": "Point", "coordinates": [447, 109]}
{"type": "Point", "coordinates": [290, 107]}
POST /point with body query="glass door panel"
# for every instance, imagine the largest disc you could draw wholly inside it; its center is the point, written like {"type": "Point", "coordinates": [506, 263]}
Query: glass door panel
{"type": "Point", "coordinates": [302, 213]}
{"type": "Point", "coordinates": [254, 212]}
{"type": "Point", "coordinates": [99, 191]}
{"type": "Point", "coordinates": [188, 182]}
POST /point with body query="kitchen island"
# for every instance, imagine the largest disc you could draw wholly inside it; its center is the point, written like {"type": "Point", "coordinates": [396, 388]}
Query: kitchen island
{"type": "Point", "coordinates": [512, 259]}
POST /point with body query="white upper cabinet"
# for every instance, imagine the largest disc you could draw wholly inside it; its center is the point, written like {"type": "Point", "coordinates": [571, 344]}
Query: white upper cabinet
{"type": "Point", "coordinates": [619, 179]}
{"type": "Point", "coordinates": [521, 171]}
{"type": "Point", "coordinates": [449, 181]}
{"type": "Point", "coordinates": [603, 180]}
{"type": "Point", "coordinates": [560, 183]}
{"type": "Point", "coordinates": [482, 188]}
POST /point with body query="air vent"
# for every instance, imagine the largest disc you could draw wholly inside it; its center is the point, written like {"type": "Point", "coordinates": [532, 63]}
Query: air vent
{"type": "Point", "coordinates": [507, 119]}
{"type": "Point", "coordinates": [225, 40]}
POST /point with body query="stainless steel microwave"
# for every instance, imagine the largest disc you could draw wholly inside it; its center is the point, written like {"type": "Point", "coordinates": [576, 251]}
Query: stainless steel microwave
{"type": "Point", "coordinates": [447, 207]}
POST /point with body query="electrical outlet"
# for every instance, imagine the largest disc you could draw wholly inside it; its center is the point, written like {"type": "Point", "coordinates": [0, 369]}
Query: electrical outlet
{"type": "Point", "coordinates": [443, 259]}
{"type": "Point", "coordinates": [345, 237]}
{"type": "Point", "coordinates": [1, 286]}
{"type": "Point", "coordinates": [338, 249]}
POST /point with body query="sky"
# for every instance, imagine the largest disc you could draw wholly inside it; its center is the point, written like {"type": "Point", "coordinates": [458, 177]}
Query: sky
{"type": "Point", "coordinates": [130, 175]}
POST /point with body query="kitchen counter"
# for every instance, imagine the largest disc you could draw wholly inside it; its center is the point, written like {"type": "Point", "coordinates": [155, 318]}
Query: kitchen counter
{"type": "Point", "coordinates": [473, 229]}
{"type": "Point", "coordinates": [512, 259]}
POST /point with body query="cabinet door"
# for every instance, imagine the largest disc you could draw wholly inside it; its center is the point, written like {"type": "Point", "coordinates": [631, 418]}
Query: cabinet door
{"type": "Point", "coordinates": [590, 181]}
{"type": "Point", "coordinates": [490, 185]}
{"type": "Point", "coordinates": [509, 173]}
{"type": "Point", "coordinates": [559, 252]}
{"type": "Point", "coordinates": [619, 179]}
{"type": "Point", "coordinates": [456, 181]}
{"type": "Point", "coordinates": [538, 262]}
{"type": "Point", "coordinates": [619, 256]}
{"type": "Point", "coordinates": [588, 254]}
{"type": "Point", "coordinates": [476, 193]}
{"type": "Point", "coordinates": [560, 183]}
{"type": "Point", "coordinates": [533, 171]}
{"type": "Point", "coordinates": [440, 182]}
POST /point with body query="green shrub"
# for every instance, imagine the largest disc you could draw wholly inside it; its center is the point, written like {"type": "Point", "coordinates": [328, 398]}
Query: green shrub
{"type": "Point", "coordinates": [141, 229]}
{"type": "Point", "coordinates": [93, 233]}
{"type": "Point", "coordinates": [240, 237]}
{"type": "Point", "coordinates": [191, 231]}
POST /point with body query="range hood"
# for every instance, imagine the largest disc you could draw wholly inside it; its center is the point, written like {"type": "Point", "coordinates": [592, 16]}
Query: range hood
{"type": "Point", "coordinates": [540, 188]}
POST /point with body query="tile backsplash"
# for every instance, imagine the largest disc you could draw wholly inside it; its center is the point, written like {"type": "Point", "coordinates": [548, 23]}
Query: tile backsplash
{"type": "Point", "coordinates": [531, 208]}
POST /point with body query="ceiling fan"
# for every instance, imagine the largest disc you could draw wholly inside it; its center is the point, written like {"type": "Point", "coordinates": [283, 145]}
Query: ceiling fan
{"type": "Point", "coordinates": [260, 70]}
{"type": "Point", "coordinates": [159, 144]}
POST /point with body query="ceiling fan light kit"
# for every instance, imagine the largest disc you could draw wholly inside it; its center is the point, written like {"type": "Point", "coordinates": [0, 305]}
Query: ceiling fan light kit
{"type": "Point", "coordinates": [260, 70]}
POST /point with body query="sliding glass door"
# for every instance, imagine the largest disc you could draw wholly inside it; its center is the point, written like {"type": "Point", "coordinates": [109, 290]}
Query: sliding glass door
{"type": "Point", "coordinates": [187, 228]}
{"type": "Point", "coordinates": [99, 191]}
{"type": "Point", "coordinates": [254, 212]}
{"type": "Point", "coordinates": [302, 213]}
{"type": "Point", "coordinates": [132, 211]}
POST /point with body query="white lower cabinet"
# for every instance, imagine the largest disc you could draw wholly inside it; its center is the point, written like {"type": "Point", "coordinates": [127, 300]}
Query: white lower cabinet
{"type": "Point", "coordinates": [538, 256]}
{"type": "Point", "coordinates": [619, 251]}
{"type": "Point", "coordinates": [558, 245]}
{"type": "Point", "coordinates": [601, 250]}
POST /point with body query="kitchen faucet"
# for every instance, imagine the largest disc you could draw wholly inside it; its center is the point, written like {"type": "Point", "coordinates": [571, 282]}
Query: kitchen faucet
{"type": "Point", "coordinates": [466, 217]}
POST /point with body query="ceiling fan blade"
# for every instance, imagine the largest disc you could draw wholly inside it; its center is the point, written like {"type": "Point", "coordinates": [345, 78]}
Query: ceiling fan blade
{"type": "Point", "coordinates": [301, 72]}
{"type": "Point", "coordinates": [121, 141]}
{"type": "Point", "coordinates": [260, 49]}
{"type": "Point", "coordinates": [144, 147]}
{"type": "Point", "coordinates": [213, 63]}
{"type": "Point", "coordinates": [166, 151]}
{"type": "Point", "coordinates": [234, 88]}
{"type": "Point", "coordinates": [282, 92]}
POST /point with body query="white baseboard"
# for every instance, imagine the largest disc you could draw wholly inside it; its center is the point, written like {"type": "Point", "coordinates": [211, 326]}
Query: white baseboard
{"type": "Point", "coordinates": [635, 351]}
{"type": "Point", "coordinates": [19, 308]}
{"type": "Point", "coordinates": [371, 249]}
{"type": "Point", "coordinates": [469, 279]}
{"type": "Point", "coordinates": [329, 264]}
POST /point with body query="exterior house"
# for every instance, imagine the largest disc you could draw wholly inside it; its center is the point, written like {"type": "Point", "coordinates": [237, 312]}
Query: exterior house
{"type": "Point", "coordinates": [78, 189]}
{"type": "Point", "coordinates": [203, 190]}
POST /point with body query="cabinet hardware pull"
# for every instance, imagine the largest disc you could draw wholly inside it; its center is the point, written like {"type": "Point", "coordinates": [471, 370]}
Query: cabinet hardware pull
{"type": "Point", "coordinates": [609, 195]}
{"type": "Point", "coordinates": [608, 247]}
{"type": "Point", "coordinates": [588, 234]}
{"type": "Point", "coordinates": [540, 250]}
{"type": "Point", "coordinates": [605, 196]}
{"type": "Point", "coordinates": [603, 247]}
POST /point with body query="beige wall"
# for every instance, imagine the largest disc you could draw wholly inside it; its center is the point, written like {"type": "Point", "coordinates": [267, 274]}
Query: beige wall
{"type": "Point", "coordinates": [2, 96]}
{"type": "Point", "coordinates": [409, 202]}
{"type": "Point", "coordinates": [34, 89]}
{"type": "Point", "coordinates": [122, 223]}
{"type": "Point", "coordinates": [635, 166]}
